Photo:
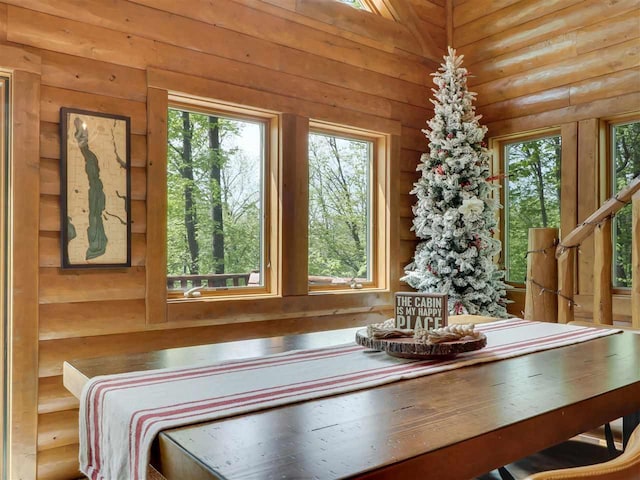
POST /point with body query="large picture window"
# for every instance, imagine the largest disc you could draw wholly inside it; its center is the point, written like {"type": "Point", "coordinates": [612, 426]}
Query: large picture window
{"type": "Point", "coordinates": [625, 164]}
{"type": "Point", "coordinates": [340, 210]}
{"type": "Point", "coordinates": [531, 196]}
{"type": "Point", "coordinates": [216, 201]}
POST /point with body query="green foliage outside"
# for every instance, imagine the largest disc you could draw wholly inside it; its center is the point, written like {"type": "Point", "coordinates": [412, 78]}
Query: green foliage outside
{"type": "Point", "coordinates": [532, 197]}
{"type": "Point", "coordinates": [626, 164]}
{"type": "Point", "coordinates": [355, 4]}
{"type": "Point", "coordinates": [339, 207]}
{"type": "Point", "coordinates": [214, 178]}
{"type": "Point", "coordinates": [214, 190]}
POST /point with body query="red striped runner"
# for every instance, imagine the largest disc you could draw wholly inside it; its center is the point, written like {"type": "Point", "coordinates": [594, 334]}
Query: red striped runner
{"type": "Point", "coordinates": [121, 414]}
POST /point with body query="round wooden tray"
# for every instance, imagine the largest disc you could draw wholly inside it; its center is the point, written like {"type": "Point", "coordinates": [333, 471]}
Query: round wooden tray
{"type": "Point", "coordinates": [407, 347]}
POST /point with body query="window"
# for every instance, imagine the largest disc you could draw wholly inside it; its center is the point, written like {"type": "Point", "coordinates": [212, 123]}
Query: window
{"type": "Point", "coordinates": [359, 4]}
{"type": "Point", "coordinates": [216, 211]}
{"type": "Point", "coordinates": [531, 196]}
{"type": "Point", "coordinates": [625, 165]}
{"type": "Point", "coordinates": [340, 216]}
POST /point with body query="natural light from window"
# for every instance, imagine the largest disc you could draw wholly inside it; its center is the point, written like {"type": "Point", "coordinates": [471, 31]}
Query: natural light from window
{"type": "Point", "coordinates": [532, 197]}
{"type": "Point", "coordinates": [340, 247]}
{"type": "Point", "coordinates": [625, 155]}
{"type": "Point", "coordinates": [215, 172]}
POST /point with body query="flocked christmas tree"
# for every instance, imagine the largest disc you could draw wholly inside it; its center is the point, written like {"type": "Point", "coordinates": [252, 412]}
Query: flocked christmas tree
{"type": "Point", "coordinates": [455, 214]}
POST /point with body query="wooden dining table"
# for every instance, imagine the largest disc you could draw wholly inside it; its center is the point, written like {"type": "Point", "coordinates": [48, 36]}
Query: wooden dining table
{"type": "Point", "coordinates": [451, 425]}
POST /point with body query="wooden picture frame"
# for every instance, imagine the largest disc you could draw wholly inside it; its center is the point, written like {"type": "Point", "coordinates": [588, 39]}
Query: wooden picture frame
{"type": "Point", "coordinates": [95, 189]}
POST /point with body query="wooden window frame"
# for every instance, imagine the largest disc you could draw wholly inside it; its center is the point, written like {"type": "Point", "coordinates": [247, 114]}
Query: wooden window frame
{"type": "Point", "coordinates": [607, 175]}
{"type": "Point", "coordinates": [378, 258]}
{"type": "Point", "coordinates": [270, 123]}
{"type": "Point", "coordinates": [290, 300]}
{"type": "Point", "coordinates": [497, 146]}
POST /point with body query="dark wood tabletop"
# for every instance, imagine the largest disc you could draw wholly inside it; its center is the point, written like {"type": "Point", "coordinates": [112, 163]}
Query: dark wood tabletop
{"type": "Point", "coordinates": [452, 425]}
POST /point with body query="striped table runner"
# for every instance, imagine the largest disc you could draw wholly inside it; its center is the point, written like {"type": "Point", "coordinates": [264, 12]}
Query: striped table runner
{"type": "Point", "coordinates": [120, 415]}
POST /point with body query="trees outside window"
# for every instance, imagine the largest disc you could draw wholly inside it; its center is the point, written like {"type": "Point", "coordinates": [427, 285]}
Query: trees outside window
{"type": "Point", "coordinates": [532, 196]}
{"type": "Point", "coordinates": [215, 168]}
{"type": "Point", "coordinates": [339, 209]}
{"type": "Point", "coordinates": [625, 163]}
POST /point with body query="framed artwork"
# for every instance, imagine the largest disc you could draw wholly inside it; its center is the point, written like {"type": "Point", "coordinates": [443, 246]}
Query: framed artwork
{"type": "Point", "coordinates": [95, 189]}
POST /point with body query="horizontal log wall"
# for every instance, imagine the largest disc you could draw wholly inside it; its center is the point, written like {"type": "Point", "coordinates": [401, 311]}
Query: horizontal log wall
{"type": "Point", "coordinates": [319, 59]}
{"type": "Point", "coordinates": [556, 63]}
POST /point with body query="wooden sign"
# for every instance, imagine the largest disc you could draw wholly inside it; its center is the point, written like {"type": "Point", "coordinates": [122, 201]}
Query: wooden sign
{"type": "Point", "coordinates": [421, 310]}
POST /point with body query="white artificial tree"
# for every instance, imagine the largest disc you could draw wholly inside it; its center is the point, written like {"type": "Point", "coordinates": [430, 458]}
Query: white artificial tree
{"type": "Point", "coordinates": [455, 215]}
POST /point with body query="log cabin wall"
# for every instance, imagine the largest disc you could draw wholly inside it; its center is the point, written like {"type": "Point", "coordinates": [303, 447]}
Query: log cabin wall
{"type": "Point", "coordinates": [316, 58]}
{"type": "Point", "coordinates": [566, 64]}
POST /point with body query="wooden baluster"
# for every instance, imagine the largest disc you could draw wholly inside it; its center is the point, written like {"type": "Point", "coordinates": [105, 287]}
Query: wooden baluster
{"type": "Point", "coordinates": [635, 263]}
{"type": "Point", "coordinates": [602, 297]}
{"type": "Point", "coordinates": [566, 265]}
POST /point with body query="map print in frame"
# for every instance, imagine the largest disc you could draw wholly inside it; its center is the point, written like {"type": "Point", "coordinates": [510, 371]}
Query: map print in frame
{"type": "Point", "coordinates": [95, 189]}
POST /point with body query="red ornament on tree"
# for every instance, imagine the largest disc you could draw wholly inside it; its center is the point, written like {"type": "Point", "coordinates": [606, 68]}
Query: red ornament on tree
{"type": "Point", "coordinates": [439, 170]}
{"type": "Point", "coordinates": [450, 135]}
{"type": "Point", "coordinates": [458, 309]}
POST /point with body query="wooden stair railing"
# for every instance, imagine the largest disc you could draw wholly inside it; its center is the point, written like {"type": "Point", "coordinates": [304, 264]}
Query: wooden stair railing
{"type": "Point", "coordinates": [600, 223]}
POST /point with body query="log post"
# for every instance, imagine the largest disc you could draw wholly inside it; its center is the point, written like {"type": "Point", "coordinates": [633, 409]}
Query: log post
{"type": "Point", "coordinates": [602, 297]}
{"type": "Point", "coordinates": [566, 265]}
{"type": "Point", "coordinates": [541, 301]}
{"type": "Point", "coordinates": [635, 263]}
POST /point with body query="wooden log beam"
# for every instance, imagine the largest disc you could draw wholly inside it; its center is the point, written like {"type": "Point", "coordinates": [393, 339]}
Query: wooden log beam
{"type": "Point", "coordinates": [609, 208]}
{"type": "Point", "coordinates": [602, 299]}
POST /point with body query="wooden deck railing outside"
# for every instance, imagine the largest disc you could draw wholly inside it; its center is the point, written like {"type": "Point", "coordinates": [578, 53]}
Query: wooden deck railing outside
{"type": "Point", "coordinates": [599, 223]}
{"type": "Point", "coordinates": [216, 280]}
